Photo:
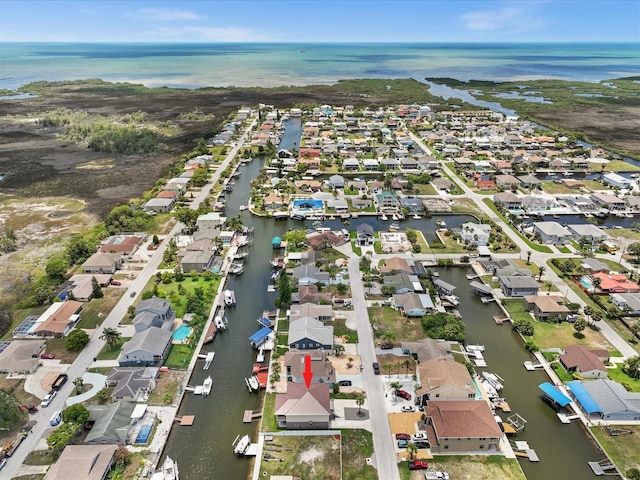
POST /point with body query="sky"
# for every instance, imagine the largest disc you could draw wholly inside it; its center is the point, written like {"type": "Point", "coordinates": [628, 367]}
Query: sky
{"type": "Point", "coordinates": [302, 21]}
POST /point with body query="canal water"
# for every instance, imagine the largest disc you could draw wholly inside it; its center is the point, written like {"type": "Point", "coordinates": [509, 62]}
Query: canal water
{"type": "Point", "coordinates": [564, 450]}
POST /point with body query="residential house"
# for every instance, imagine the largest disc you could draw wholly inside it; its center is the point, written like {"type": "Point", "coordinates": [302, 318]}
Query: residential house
{"type": "Point", "coordinates": [507, 200]}
{"type": "Point", "coordinates": [615, 283]}
{"type": "Point", "coordinates": [628, 302]}
{"type": "Point", "coordinates": [616, 180]}
{"type": "Point", "coordinates": [349, 164]}
{"type": "Point", "coordinates": [427, 349]}
{"type": "Point", "coordinates": [386, 201]}
{"type": "Point", "coordinates": [393, 265]}
{"type": "Point", "coordinates": [21, 356]}
{"type": "Point", "coordinates": [529, 181]}
{"type": "Point", "coordinates": [154, 312]}
{"type": "Point", "coordinates": [412, 203]}
{"type": "Point", "coordinates": [103, 263]}
{"type": "Point", "coordinates": [310, 293]}
{"type": "Point", "coordinates": [124, 244]}
{"type": "Point", "coordinates": [593, 264]}
{"type": "Point", "coordinates": [588, 232]}
{"type": "Point", "coordinates": [461, 426]}
{"type": "Point", "coordinates": [401, 282]}
{"type": "Point", "coordinates": [307, 333]}
{"type": "Point", "coordinates": [211, 220]}
{"type": "Point", "coordinates": [198, 260]}
{"type": "Point", "coordinates": [308, 274]}
{"type": "Point", "coordinates": [608, 201]}
{"type": "Point", "coordinates": [322, 240]}
{"type": "Point", "coordinates": [89, 462]}
{"type": "Point", "coordinates": [507, 181]}
{"type": "Point", "coordinates": [409, 164]}
{"type": "Point", "coordinates": [304, 408]}
{"type": "Point", "coordinates": [518, 285]}
{"type": "Point", "coordinates": [159, 205]}
{"type": "Point", "coordinates": [336, 181]}
{"type": "Point", "coordinates": [132, 384]}
{"type": "Point", "coordinates": [604, 399]}
{"type": "Point", "coordinates": [273, 201]}
{"type": "Point", "coordinates": [370, 164]}
{"type": "Point", "coordinates": [485, 184]}
{"type": "Point", "coordinates": [584, 362]}
{"type": "Point", "coordinates": [365, 235]}
{"type": "Point", "coordinates": [321, 367]}
{"type": "Point", "coordinates": [58, 320]}
{"type": "Point", "coordinates": [148, 348]}
{"type": "Point", "coordinates": [322, 313]}
{"type": "Point", "coordinates": [545, 307]}
{"type": "Point", "coordinates": [112, 423]}
{"type": "Point", "coordinates": [552, 233]}
{"type": "Point", "coordinates": [442, 183]}
{"type": "Point", "coordinates": [443, 378]}
{"type": "Point", "coordinates": [412, 304]}
{"type": "Point", "coordinates": [475, 234]}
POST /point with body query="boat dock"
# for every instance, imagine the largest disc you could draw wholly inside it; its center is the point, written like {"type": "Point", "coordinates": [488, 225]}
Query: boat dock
{"type": "Point", "coordinates": [208, 358]}
{"type": "Point", "coordinates": [250, 415]}
{"type": "Point", "coordinates": [603, 467]}
{"type": "Point", "coordinates": [529, 365]}
{"type": "Point", "coordinates": [566, 418]}
{"type": "Point", "coordinates": [521, 449]}
{"type": "Point", "coordinates": [501, 319]}
{"type": "Point", "coordinates": [204, 389]}
{"type": "Point", "coordinates": [185, 420]}
{"type": "Point", "coordinates": [210, 334]}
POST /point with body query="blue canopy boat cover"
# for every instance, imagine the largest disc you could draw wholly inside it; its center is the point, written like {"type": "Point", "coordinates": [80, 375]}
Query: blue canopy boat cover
{"type": "Point", "coordinates": [260, 336]}
{"type": "Point", "coordinates": [584, 398]}
{"type": "Point", "coordinates": [554, 394]}
{"type": "Point", "coordinates": [276, 241]}
{"type": "Point", "coordinates": [265, 322]}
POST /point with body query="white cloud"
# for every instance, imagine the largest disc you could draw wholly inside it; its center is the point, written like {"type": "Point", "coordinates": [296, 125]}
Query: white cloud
{"type": "Point", "coordinates": [510, 19]}
{"type": "Point", "coordinates": [165, 15]}
{"type": "Point", "coordinates": [208, 34]}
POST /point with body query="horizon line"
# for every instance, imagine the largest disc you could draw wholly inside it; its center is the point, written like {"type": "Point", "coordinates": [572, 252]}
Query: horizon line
{"type": "Point", "coordinates": [360, 42]}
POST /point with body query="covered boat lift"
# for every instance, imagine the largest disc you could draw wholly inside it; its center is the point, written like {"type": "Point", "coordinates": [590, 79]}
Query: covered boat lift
{"type": "Point", "coordinates": [555, 395]}
{"type": "Point", "coordinates": [480, 288]}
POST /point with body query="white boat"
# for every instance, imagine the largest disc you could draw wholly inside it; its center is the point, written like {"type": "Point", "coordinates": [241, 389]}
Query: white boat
{"type": "Point", "coordinates": [240, 256]}
{"type": "Point", "coordinates": [242, 207]}
{"type": "Point", "coordinates": [452, 299]}
{"type": "Point", "coordinates": [220, 323]}
{"type": "Point", "coordinates": [416, 217]}
{"type": "Point", "coordinates": [494, 380]}
{"type": "Point", "coordinates": [229, 298]}
{"type": "Point", "coordinates": [169, 471]}
{"type": "Point", "coordinates": [252, 383]}
{"type": "Point", "coordinates": [475, 348]}
{"type": "Point", "coordinates": [384, 217]}
{"type": "Point", "coordinates": [394, 227]}
{"type": "Point", "coordinates": [394, 217]}
{"type": "Point", "coordinates": [206, 386]}
{"type": "Point", "coordinates": [236, 268]}
{"type": "Point", "coordinates": [240, 445]}
{"type": "Point", "coordinates": [441, 224]}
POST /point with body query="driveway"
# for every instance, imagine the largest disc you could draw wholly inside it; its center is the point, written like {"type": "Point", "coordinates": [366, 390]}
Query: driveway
{"type": "Point", "coordinates": [97, 382]}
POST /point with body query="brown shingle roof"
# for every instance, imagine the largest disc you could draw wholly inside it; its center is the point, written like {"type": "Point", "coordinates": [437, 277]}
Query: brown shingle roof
{"type": "Point", "coordinates": [463, 419]}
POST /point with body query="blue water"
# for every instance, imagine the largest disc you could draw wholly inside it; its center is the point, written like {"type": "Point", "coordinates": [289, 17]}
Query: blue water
{"type": "Point", "coordinates": [263, 64]}
{"type": "Point", "coordinates": [143, 434]}
{"type": "Point", "coordinates": [181, 333]}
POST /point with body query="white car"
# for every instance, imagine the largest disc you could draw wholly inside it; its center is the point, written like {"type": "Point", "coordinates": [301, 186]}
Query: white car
{"type": "Point", "coordinates": [46, 401]}
{"type": "Point", "coordinates": [407, 408]}
{"type": "Point", "coordinates": [419, 436]}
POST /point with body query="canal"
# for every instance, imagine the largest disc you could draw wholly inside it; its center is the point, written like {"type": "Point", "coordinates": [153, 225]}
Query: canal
{"type": "Point", "coordinates": [564, 450]}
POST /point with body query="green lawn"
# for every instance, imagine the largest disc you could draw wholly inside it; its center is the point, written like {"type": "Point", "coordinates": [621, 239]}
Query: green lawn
{"type": "Point", "coordinates": [615, 166]}
{"type": "Point", "coordinates": [340, 330]}
{"type": "Point", "coordinates": [617, 375]}
{"type": "Point", "coordinates": [268, 423]}
{"type": "Point", "coordinates": [96, 310]}
{"type": "Point", "coordinates": [177, 292]}
{"type": "Point", "coordinates": [357, 446]}
{"type": "Point", "coordinates": [179, 356]}
{"type": "Point", "coordinates": [111, 354]}
{"type": "Point", "coordinates": [624, 450]}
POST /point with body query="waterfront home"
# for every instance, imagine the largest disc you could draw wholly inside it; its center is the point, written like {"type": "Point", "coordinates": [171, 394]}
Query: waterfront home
{"type": "Point", "coordinates": [321, 367]}
{"type": "Point", "coordinates": [159, 205]}
{"type": "Point", "coordinates": [57, 320]}
{"type": "Point", "coordinates": [588, 232]}
{"type": "Point", "coordinates": [103, 263]}
{"type": "Point", "coordinates": [157, 311]}
{"type": "Point", "coordinates": [304, 409]}
{"type": "Point", "coordinates": [132, 384]}
{"type": "Point", "coordinates": [552, 233]}
{"type": "Point", "coordinates": [21, 356]}
{"type": "Point", "coordinates": [307, 333]}
{"type": "Point", "coordinates": [386, 201]}
{"type": "Point", "coordinates": [211, 220]}
{"type": "Point", "coordinates": [121, 243]}
{"type": "Point", "coordinates": [444, 378]}
{"type": "Point", "coordinates": [309, 185]}
{"type": "Point", "coordinates": [361, 203]}
{"type": "Point", "coordinates": [350, 164]}
{"type": "Point", "coordinates": [507, 181]}
{"type": "Point", "coordinates": [412, 304]}
{"type": "Point", "coordinates": [273, 201]}
{"type": "Point", "coordinates": [427, 349]}
{"type": "Point", "coordinates": [370, 164]}
{"type": "Point", "coordinates": [529, 181]}
{"type": "Point", "coordinates": [461, 426]}
{"type": "Point", "coordinates": [412, 203]}
{"type": "Point", "coordinates": [322, 313]}
{"type": "Point", "coordinates": [402, 283]}
{"type": "Point", "coordinates": [310, 293]}
{"type": "Point", "coordinates": [628, 302]}
{"type": "Point", "coordinates": [616, 180]}
{"type": "Point", "coordinates": [586, 363]}
{"type": "Point", "coordinates": [615, 283]}
{"type": "Point", "coordinates": [365, 235]}
{"type": "Point", "coordinates": [581, 203]}
{"type": "Point", "coordinates": [518, 285]}
{"type": "Point", "coordinates": [545, 307]}
{"type": "Point", "coordinates": [604, 399]}
{"type": "Point", "coordinates": [474, 234]}
{"type": "Point", "coordinates": [148, 348]}
{"type": "Point", "coordinates": [507, 200]}
{"type": "Point", "coordinates": [608, 201]}
{"type": "Point", "coordinates": [198, 261]}
{"type": "Point", "coordinates": [89, 462]}
{"type": "Point", "coordinates": [112, 423]}
{"type": "Point", "coordinates": [393, 265]}
{"type": "Point", "coordinates": [308, 274]}
{"type": "Point", "coordinates": [409, 164]}
{"type": "Point", "coordinates": [336, 181]}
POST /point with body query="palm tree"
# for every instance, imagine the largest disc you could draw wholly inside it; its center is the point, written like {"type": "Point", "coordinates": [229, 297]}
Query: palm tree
{"type": "Point", "coordinates": [389, 367]}
{"type": "Point", "coordinates": [395, 386]}
{"type": "Point", "coordinates": [588, 311]}
{"type": "Point", "coordinates": [111, 336]}
{"type": "Point", "coordinates": [596, 284]}
{"type": "Point", "coordinates": [412, 449]}
{"type": "Point", "coordinates": [360, 398]}
{"type": "Point", "coordinates": [541, 271]}
{"type": "Point", "coordinates": [407, 364]}
{"type": "Point", "coordinates": [635, 329]}
{"type": "Point", "coordinates": [528, 257]}
{"type": "Point", "coordinates": [338, 349]}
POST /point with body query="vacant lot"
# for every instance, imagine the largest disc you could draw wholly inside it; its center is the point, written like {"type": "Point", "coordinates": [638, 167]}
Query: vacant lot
{"type": "Point", "coordinates": [623, 449]}
{"type": "Point", "coordinates": [470, 468]}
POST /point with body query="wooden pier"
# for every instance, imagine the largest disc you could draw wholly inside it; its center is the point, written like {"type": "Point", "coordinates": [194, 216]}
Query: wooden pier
{"type": "Point", "coordinates": [529, 365]}
{"type": "Point", "coordinates": [603, 467]}
{"type": "Point", "coordinates": [500, 320]}
{"type": "Point", "coordinates": [185, 420]}
{"type": "Point", "coordinates": [250, 415]}
{"type": "Point", "coordinates": [522, 450]}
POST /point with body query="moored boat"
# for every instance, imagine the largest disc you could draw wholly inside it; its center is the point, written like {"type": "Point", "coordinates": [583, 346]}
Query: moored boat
{"type": "Point", "coordinates": [241, 444]}
{"type": "Point", "coordinates": [229, 298]}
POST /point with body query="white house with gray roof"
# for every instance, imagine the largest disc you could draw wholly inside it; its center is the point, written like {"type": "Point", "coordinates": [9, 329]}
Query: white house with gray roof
{"type": "Point", "coordinates": [307, 333]}
{"type": "Point", "coordinates": [552, 233]}
{"type": "Point", "coordinates": [148, 348]}
{"type": "Point", "coordinates": [589, 232]}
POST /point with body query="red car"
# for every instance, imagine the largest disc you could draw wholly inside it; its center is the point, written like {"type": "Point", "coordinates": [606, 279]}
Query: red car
{"type": "Point", "coordinates": [403, 436]}
{"type": "Point", "coordinates": [115, 283]}
{"type": "Point", "coordinates": [403, 394]}
{"type": "Point", "coordinates": [418, 465]}
{"type": "Point", "coordinates": [47, 356]}
{"type": "Point", "coordinates": [386, 346]}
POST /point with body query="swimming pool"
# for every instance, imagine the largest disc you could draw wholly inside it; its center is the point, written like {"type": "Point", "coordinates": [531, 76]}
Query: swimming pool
{"type": "Point", "coordinates": [586, 282]}
{"type": "Point", "coordinates": [181, 333]}
{"type": "Point", "coordinates": [144, 434]}
{"type": "Point", "coordinates": [308, 204]}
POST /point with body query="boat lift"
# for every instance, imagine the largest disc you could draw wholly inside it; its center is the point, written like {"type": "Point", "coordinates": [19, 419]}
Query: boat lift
{"type": "Point", "coordinates": [208, 358]}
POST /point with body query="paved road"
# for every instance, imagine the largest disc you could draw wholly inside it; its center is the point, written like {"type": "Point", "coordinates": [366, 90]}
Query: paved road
{"type": "Point", "coordinates": [383, 446]}
{"type": "Point", "coordinates": [84, 360]}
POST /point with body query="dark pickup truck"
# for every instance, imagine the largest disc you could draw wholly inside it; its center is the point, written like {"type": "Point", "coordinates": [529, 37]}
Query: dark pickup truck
{"type": "Point", "coordinates": [59, 382]}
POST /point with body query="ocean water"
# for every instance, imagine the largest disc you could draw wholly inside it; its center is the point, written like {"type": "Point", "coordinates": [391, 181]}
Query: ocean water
{"type": "Point", "coordinates": [261, 64]}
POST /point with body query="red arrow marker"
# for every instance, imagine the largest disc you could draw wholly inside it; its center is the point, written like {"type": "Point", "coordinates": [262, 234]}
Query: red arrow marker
{"type": "Point", "coordinates": [308, 374]}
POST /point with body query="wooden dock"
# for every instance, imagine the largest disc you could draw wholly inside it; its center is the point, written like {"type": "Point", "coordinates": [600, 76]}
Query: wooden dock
{"type": "Point", "coordinates": [250, 415]}
{"type": "Point", "coordinates": [185, 420]}
{"type": "Point", "coordinates": [529, 365]}
{"type": "Point", "coordinates": [500, 320]}
{"type": "Point", "coordinates": [211, 333]}
{"type": "Point", "coordinates": [521, 449]}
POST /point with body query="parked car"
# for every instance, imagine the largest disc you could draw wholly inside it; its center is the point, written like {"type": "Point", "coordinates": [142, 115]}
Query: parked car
{"type": "Point", "coordinates": [403, 394]}
{"type": "Point", "coordinates": [403, 436]}
{"type": "Point", "coordinates": [47, 356]}
{"type": "Point", "coordinates": [422, 444]}
{"type": "Point", "coordinates": [386, 346]}
{"type": "Point", "coordinates": [3, 462]}
{"type": "Point", "coordinates": [402, 443]}
{"type": "Point", "coordinates": [344, 383]}
{"type": "Point", "coordinates": [132, 294]}
{"type": "Point", "coordinates": [407, 408]}
{"type": "Point", "coordinates": [419, 436]}
{"type": "Point", "coordinates": [376, 368]}
{"type": "Point", "coordinates": [48, 398]}
{"type": "Point", "coordinates": [418, 465]}
{"type": "Point", "coordinates": [115, 283]}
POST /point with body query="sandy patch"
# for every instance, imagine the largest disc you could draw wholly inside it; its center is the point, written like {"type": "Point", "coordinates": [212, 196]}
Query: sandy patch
{"type": "Point", "coordinates": [311, 455]}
